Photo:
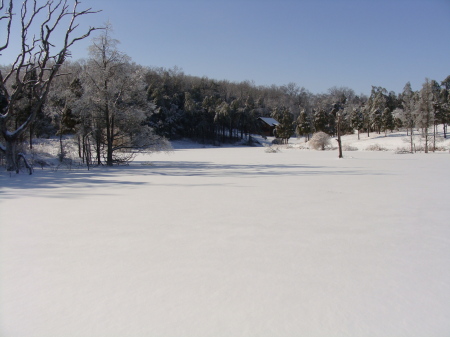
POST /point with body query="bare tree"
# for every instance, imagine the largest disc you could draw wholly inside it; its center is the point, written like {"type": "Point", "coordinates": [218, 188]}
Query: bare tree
{"type": "Point", "coordinates": [115, 95]}
{"type": "Point", "coordinates": [6, 16]}
{"type": "Point", "coordinates": [409, 99]}
{"type": "Point", "coordinates": [424, 111]}
{"type": "Point", "coordinates": [37, 63]}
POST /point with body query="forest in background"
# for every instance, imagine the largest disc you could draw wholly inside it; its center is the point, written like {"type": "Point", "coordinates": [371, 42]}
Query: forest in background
{"type": "Point", "coordinates": [115, 108]}
{"type": "Point", "coordinates": [140, 105]}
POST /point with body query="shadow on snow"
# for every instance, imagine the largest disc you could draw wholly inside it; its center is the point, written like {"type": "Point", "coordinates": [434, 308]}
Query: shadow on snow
{"type": "Point", "coordinates": [85, 181]}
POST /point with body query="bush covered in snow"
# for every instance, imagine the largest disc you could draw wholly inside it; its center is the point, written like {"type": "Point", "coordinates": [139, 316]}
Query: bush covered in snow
{"type": "Point", "coordinates": [272, 149]}
{"type": "Point", "coordinates": [376, 147]}
{"type": "Point", "coordinates": [402, 150]}
{"type": "Point", "coordinates": [320, 140]}
{"type": "Point", "coordinates": [347, 147]}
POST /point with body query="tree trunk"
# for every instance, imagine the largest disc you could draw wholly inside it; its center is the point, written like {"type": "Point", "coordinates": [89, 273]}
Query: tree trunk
{"type": "Point", "coordinates": [61, 148]}
{"type": "Point", "coordinates": [109, 142]}
{"type": "Point", "coordinates": [87, 151]}
{"type": "Point", "coordinates": [79, 146]}
{"type": "Point", "coordinates": [434, 137]}
{"type": "Point", "coordinates": [21, 155]}
{"type": "Point", "coordinates": [339, 136]}
{"type": "Point", "coordinates": [98, 144]}
{"type": "Point", "coordinates": [83, 146]}
{"type": "Point", "coordinates": [411, 135]}
{"type": "Point", "coordinates": [31, 136]}
{"type": "Point", "coordinates": [12, 162]}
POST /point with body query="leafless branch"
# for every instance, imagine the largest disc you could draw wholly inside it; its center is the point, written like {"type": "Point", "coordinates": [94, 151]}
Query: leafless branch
{"type": "Point", "coordinates": [39, 59]}
{"type": "Point", "coordinates": [8, 15]}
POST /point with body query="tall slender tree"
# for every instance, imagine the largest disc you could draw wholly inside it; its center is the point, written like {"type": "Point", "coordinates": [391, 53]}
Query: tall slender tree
{"type": "Point", "coordinates": [408, 101]}
{"type": "Point", "coordinates": [424, 111]}
{"type": "Point", "coordinates": [115, 94]}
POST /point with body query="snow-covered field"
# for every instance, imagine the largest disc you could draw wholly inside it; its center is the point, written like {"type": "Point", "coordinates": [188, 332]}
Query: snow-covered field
{"type": "Point", "coordinates": [230, 241]}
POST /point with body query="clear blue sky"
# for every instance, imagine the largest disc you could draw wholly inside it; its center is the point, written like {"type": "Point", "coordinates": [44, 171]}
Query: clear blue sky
{"type": "Point", "coordinates": [314, 43]}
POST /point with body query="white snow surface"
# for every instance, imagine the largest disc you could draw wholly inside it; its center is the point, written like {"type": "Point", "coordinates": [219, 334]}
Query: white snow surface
{"type": "Point", "coordinates": [229, 241]}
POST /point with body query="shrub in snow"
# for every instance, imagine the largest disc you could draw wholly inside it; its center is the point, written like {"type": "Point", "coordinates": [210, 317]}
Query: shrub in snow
{"type": "Point", "coordinates": [402, 150]}
{"type": "Point", "coordinates": [320, 140]}
{"type": "Point", "coordinates": [376, 147]}
{"type": "Point", "coordinates": [347, 147]}
{"type": "Point", "coordinates": [441, 148]}
{"type": "Point", "coordinates": [431, 148]}
{"type": "Point", "coordinates": [271, 149]}
{"type": "Point", "coordinates": [302, 147]}
{"type": "Point", "coordinates": [40, 162]}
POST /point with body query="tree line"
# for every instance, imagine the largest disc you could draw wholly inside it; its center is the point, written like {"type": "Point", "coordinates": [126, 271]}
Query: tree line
{"type": "Point", "coordinates": [115, 108]}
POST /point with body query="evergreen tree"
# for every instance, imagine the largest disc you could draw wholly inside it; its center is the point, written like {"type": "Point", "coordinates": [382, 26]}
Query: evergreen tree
{"type": "Point", "coordinates": [375, 106]}
{"type": "Point", "coordinates": [357, 120]}
{"type": "Point", "coordinates": [387, 120]}
{"type": "Point", "coordinates": [398, 122]}
{"type": "Point", "coordinates": [322, 121]}
{"type": "Point", "coordinates": [234, 114]}
{"type": "Point", "coordinates": [206, 126]}
{"type": "Point", "coordinates": [304, 125]}
{"type": "Point", "coordinates": [345, 120]}
{"type": "Point", "coordinates": [249, 118]}
{"type": "Point", "coordinates": [443, 109]}
{"type": "Point", "coordinates": [377, 121]}
{"type": "Point", "coordinates": [285, 129]}
{"type": "Point", "coordinates": [445, 97]}
{"type": "Point", "coordinates": [222, 118]}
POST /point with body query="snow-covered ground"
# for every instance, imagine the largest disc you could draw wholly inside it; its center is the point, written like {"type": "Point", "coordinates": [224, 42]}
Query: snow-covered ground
{"type": "Point", "coordinates": [230, 241]}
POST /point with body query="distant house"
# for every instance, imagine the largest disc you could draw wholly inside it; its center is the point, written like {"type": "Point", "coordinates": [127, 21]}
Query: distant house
{"type": "Point", "coordinates": [267, 125]}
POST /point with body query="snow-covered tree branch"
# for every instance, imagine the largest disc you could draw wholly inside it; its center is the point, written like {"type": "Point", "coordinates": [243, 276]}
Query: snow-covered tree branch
{"type": "Point", "coordinates": [38, 61]}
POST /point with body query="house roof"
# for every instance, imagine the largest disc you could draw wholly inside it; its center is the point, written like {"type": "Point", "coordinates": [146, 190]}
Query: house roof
{"type": "Point", "coordinates": [269, 121]}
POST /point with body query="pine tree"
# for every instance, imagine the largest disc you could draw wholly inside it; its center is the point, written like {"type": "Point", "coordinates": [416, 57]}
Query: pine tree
{"type": "Point", "coordinates": [387, 121]}
{"type": "Point", "coordinates": [285, 129]}
{"type": "Point", "coordinates": [304, 125]}
{"type": "Point", "coordinates": [375, 106]}
{"type": "Point", "coordinates": [443, 110]}
{"type": "Point", "coordinates": [376, 120]}
{"type": "Point", "coordinates": [321, 121]}
{"type": "Point", "coordinates": [357, 120]}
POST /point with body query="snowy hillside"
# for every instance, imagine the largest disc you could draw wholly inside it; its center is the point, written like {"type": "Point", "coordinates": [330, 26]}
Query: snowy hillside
{"type": "Point", "coordinates": [398, 141]}
{"type": "Point", "coordinates": [230, 241]}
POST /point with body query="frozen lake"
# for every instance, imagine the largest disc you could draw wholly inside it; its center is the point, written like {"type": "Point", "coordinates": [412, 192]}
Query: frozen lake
{"type": "Point", "coordinates": [229, 242]}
